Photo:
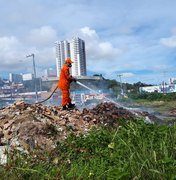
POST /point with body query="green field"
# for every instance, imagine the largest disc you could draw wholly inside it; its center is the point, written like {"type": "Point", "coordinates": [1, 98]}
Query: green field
{"type": "Point", "coordinates": [160, 106]}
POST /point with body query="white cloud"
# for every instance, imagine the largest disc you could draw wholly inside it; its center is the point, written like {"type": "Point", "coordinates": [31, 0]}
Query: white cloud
{"type": "Point", "coordinates": [11, 49]}
{"type": "Point", "coordinates": [7, 43]}
{"type": "Point", "coordinates": [89, 32]}
{"type": "Point", "coordinates": [169, 42]}
{"type": "Point", "coordinates": [97, 49]}
{"type": "Point", "coordinates": [43, 36]}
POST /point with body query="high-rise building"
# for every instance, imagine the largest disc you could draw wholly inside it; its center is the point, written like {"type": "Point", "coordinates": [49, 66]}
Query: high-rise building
{"type": "Point", "coordinates": [78, 55]}
{"type": "Point", "coordinates": [75, 49]}
{"type": "Point", "coordinates": [62, 53]}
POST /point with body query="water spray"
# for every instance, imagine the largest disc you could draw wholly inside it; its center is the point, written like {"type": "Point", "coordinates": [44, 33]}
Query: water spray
{"type": "Point", "coordinates": [147, 119]}
{"type": "Point", "coordinates": [117, 104]}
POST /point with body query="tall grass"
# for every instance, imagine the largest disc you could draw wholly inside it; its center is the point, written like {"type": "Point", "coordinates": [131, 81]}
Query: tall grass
{"type": "Point", "coordinates": [133, 150]}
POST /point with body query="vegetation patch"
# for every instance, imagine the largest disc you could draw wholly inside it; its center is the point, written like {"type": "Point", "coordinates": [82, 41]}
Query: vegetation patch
{"type": "Point", "coordinates": [133, 150]}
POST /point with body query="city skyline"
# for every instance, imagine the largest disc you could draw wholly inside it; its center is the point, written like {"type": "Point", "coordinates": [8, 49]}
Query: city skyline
{"type": "Point", "coordinates": [134, 38]}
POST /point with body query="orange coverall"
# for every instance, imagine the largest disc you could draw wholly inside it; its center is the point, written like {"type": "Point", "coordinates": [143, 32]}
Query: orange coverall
{"type": "Point", "coordinates": [64, 84]}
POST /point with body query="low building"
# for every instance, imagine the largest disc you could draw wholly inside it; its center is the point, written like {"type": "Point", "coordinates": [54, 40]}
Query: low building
{"type": "Point", "coordinates": [150, 89]}
{"type": "Point", "coordinates": [28, 76]}
{"type": "Point", "coordinates": [160, 89]}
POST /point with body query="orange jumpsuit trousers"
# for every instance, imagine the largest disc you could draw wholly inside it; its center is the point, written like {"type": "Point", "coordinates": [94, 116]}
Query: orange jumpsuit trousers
{"type": "Point", "coordinates": [65, 97]}
{"type": "Point", "coordinates": [64, 84]}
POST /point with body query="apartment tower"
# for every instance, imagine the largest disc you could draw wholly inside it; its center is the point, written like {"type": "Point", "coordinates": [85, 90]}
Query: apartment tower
{"type": "Point", "coordinates": [75, 49]}
{"type": "Point", "coordinates": [62, 53]}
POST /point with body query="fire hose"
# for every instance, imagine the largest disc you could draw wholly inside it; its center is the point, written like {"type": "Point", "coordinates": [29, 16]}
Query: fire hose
{"type": "Point", "coordinates": [47, 97]}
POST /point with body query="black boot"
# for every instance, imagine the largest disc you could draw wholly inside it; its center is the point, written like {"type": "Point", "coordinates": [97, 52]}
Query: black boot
{"type": "Point", "coordinates": [70, 105]}
{"type": "Point", "coordinates": [64, 107]}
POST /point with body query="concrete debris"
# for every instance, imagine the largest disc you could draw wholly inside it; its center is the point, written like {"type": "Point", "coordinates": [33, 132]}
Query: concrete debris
{"type": "Point", "coordinates": [27, 127]}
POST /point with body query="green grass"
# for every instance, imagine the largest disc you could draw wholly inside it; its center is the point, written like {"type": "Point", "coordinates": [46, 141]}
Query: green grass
{"type": "Point", "coordinates": [134, 150]}
{"type": "Point", "coordinates": [160, 106]}
{"type": "Point", "coordinates": [160, 102]}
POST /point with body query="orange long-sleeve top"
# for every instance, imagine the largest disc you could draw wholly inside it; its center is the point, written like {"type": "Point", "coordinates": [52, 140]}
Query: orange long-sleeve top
{"type": "Point", "coordinates": [65, 78]}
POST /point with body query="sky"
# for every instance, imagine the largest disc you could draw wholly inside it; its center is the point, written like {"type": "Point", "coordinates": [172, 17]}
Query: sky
{"type": "Point", "coordinates": [134, 38]}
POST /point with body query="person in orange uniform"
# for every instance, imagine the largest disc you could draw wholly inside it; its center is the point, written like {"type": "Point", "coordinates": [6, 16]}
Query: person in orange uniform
{"type": "Point", "coordinates": [64, 84]}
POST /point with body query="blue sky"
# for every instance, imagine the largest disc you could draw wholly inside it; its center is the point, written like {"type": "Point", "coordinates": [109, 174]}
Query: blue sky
{"type": "Point", "coordinates": [135, 38]}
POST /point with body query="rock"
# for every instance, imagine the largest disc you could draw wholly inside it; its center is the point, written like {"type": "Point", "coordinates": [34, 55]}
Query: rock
{"type": "Point", "coordinates": [70, 126]}
{"type": "Point", "coordinates": [8, 124]}
{"type": "Point", "coordinates": [62, 122]}
{"type": "Point", "coordinates": [87, 118]}
{"type": "Point", "coordinates": [19, 105]}
{"type": "Point", "coordinates": [7, 134]}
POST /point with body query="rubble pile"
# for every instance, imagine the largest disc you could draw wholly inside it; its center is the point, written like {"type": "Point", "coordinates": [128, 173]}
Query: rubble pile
{"type": "Point", "coordinates": [108, 113]}
{"type": "Point", "coordinates": [26, 126]}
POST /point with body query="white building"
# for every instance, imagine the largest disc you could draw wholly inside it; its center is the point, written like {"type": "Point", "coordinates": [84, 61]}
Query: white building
{"type": "Point", "coordinates": [160, 89]}
{"type": "Point", "coordinates": [150, 89]}
{"type": "Point", "coordinates": [78, 56]}
{"type": "Point", "coordinates": [28, 76]}
{"type": "Point", "coordinates": [62, 53]}
{"type": "Point", "coordinates": [75, 49]}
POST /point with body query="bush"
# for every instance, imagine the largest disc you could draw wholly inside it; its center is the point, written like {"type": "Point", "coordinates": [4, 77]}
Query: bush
{"type": "Point", "coordinates": [154, 96]}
